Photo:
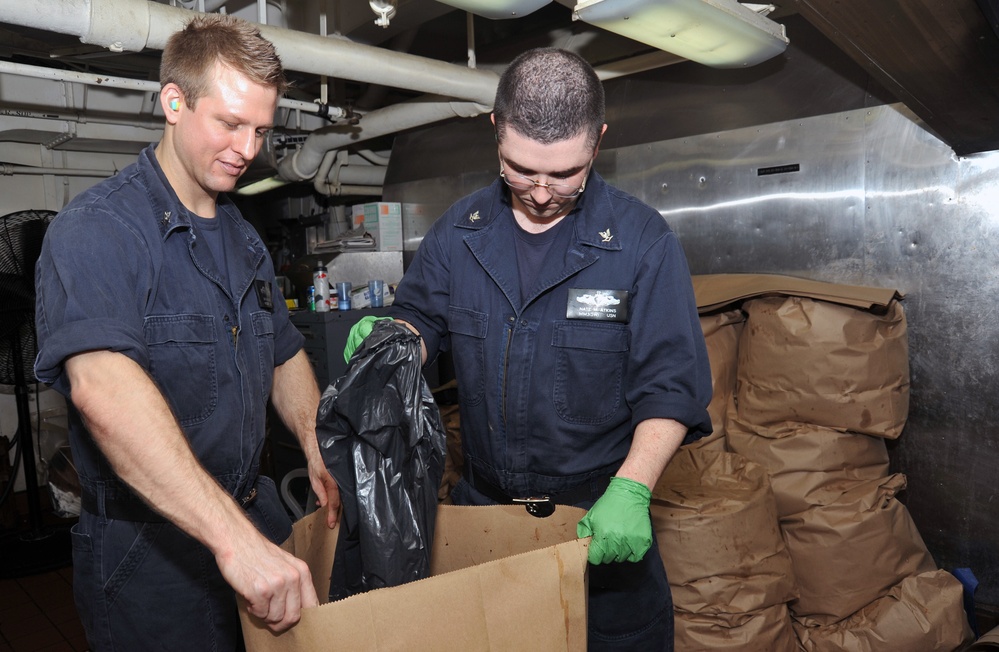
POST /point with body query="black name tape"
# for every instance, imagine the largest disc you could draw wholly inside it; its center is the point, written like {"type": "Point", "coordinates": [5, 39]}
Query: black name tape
{"type": "Point", "coordinates": [602, 305]}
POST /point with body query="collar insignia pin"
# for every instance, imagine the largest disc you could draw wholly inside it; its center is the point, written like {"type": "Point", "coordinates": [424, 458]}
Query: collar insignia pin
{"type": "Point", "coordinates": [605, 235]}
{"type": "Point", "coordinates": [474, 217]}
{"type": "Point", "coordinates": [166, 217]}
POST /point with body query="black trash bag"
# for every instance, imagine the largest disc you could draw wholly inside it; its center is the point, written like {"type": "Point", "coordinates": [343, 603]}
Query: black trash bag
{"type": "Point", "coordinates": [382, 439]}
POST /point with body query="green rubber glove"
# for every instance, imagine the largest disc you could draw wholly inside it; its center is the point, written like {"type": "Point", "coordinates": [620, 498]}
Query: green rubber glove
{"type": "Point", "coordinates": [619, 523]}
{"type": "Point", "coordinates": [357, 333]}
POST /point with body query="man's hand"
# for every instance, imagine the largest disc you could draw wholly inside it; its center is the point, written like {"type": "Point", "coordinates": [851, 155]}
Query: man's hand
{"type": "Point", "coordinates": [275, 584]}
{"type": "Point", "coordinates": [619, 523]}
{"type": "Point", "coordinates": [327, 492]}
{"type": "Point", "coordinates": [357, 333]}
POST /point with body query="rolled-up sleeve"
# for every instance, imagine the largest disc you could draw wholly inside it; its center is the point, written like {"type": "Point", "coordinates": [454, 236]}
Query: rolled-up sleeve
{"type": "Point", "coordinates": [89, 282]}
{"type": "Point", "coordinates": [669, 372]}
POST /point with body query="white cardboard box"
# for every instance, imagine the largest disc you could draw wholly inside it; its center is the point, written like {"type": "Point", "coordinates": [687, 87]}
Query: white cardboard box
{"type": "Point", "coordinates": [383, 220]}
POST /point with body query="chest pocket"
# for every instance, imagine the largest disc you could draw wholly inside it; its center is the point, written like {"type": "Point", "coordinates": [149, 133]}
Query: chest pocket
{"type": "Point", "coordinates": [182, 361]}
{"type": "Point", "coordinates": [590, 362]}
{"type": "Point", "coordinates": [468, 336]}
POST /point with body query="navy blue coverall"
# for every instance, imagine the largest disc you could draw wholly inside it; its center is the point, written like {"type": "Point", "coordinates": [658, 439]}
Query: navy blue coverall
{"type": "Point", "coordinates": [121, 269]}
{"type": "Point", "coordinates": [550, 394]}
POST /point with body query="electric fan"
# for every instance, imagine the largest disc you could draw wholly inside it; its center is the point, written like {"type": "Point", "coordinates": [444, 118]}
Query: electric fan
{"type": "Point", "coordinates": [36, 547]}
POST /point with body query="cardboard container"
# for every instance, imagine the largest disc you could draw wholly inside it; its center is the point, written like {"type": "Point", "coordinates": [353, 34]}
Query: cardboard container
{"type": "Point", "coordinates": [501, 579]}
{"type": "Point", "coordinates": [383, 220]}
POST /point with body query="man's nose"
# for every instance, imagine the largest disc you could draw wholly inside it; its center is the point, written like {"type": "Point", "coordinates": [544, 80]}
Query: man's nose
{"type": "Point", "coordinates": [548, 195]}
{"type": "Point", "coordinates": [246, 144]}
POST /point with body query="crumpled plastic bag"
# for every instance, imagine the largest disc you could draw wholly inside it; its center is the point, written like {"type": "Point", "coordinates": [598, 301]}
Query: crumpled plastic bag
{"type": "Point", "coordinates": [382, 439]}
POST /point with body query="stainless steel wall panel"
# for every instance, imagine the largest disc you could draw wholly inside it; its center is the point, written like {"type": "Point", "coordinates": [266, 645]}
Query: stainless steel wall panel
{"type": "Point", "coordinates": [878, 200]}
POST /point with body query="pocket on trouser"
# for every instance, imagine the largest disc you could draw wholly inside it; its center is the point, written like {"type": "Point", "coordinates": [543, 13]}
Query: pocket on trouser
{"type": "Point", "coordinates": [630, 606]}
{"type": "Point", "coordinates": [168, 590]}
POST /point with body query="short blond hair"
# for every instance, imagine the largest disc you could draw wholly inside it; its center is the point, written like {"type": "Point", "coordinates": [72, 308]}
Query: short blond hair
{"type": "Point", "coordinates": [190, 56]}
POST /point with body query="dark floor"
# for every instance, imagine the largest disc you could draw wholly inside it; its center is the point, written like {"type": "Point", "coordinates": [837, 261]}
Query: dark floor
{"type": "Point", "coordinates": [37, 614]}
{"type": "Point", "coordinates": [36, 607]}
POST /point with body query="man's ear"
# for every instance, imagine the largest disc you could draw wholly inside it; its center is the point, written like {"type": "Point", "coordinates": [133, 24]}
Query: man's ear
{"type": "Point", "coordinates": [600, 139]}
{"type": "Point", "coordinates": [172, 102]}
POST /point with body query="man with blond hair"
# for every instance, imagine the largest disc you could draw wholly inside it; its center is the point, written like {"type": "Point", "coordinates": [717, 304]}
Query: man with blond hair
{"type": "Point", "coordinates": [159, 318]}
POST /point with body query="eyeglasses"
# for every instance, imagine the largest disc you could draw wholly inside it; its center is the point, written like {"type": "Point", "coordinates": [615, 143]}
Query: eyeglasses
{"type": "Point", "coordinates": [526, 184]}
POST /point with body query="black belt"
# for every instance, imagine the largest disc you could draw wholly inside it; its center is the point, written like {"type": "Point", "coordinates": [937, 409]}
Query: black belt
{"type": "Point", "coordinates": [543, 505]}
{"type": "Point", "coordinates": [131, 508]}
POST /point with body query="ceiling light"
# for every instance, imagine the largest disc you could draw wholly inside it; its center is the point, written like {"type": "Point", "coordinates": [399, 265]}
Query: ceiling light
{"type": "Point", "coordinates": [498, 9]}
{"type": "Point", "coordinates": [261, 186]}
{"type": "Point", "coordinates": [716, 33]}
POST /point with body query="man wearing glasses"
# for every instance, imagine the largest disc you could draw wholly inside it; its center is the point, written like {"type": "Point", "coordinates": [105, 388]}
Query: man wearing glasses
{"type": "Point", "coordinates": [578, 353]}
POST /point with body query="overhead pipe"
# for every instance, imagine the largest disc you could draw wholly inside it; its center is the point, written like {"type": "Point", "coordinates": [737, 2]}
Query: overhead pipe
{"type": "Point", "coordinates": [79, 117]}
{"type": "Point", "coordinates": [342, 191]}
{"type": "Point", "coordinates": [373, 157]}
{"type": "Point", "coordinates": [134, 25]}
{"type": "Point", "coordinates": [336, 170]}
{"type": "Point", "coordinates": [303, 164]}
{"type": "Point", "coordinates": [9, 170]}
{"type": "Point", "coordinates": [143, 85]}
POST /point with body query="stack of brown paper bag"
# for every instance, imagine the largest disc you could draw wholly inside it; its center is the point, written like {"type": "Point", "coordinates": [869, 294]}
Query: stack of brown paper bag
{"type": "Point", "coordinates": [810, 379]}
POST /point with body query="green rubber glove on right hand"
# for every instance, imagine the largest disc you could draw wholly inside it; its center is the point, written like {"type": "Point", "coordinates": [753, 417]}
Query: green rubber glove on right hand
{"type": "Point", "coordinates": [357, 333]}
{"type": "Point", "coordinates": [619, 523]}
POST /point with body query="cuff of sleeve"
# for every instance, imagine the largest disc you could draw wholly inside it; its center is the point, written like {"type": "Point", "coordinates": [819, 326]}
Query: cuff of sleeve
{"type": "Point", "coordinates": [81, 336]}
{"type": "Point", "coordinates": [684, 410]}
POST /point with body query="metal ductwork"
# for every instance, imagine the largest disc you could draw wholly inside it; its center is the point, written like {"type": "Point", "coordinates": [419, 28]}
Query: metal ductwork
{"type": "Point", "coordinates": [134, 25]}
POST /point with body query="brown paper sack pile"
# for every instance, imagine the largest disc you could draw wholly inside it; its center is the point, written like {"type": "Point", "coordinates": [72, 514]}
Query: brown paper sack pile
{"type": "Point", "coordinates": [729, 572]}
{"type": "Point", "coordinates": [501, 579]}
{"type": "Point", "coordinates": [922, 613]}
{"type": "Point", "coordinates": [821, 379]}
{"type": "Point", "coordinates": [809, 465]}
{"type": "Point", "coordinates": [815, 362]}
{"type": "Point", "coordinates": [721, 337]}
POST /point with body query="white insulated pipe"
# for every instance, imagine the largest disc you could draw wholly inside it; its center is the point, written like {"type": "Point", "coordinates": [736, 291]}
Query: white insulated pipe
{"type": "Point", "coordinates": [303, 164]}
{"type": "Point", "coordinates": [132, 25]}
{"type": "Point", "coordinates": [6, 169]}
{"type": "Point", "coordinates": [345, 173]}
{"type": "Point", "coordinates": [107, 81]}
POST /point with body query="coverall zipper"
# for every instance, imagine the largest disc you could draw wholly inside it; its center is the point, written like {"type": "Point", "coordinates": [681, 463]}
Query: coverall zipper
{"type": "Point", "coordinates": [506, 367]}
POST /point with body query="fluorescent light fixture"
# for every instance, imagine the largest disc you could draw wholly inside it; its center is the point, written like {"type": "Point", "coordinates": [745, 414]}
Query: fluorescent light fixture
{"type": "Point", "coordinates": [716, 33]}
{"type": "Point", "coordinates": [257, 187]}
{"type": "Point", "coordinates": [498, 9]}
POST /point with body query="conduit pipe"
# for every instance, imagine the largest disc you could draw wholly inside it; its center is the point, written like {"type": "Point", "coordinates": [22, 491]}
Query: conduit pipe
{"type": "Point", "coordinates": [145, 86]}
{"type": "Point", "coordinates": [133, 25]}
{"type": "Point", "coordinates": [338, 163]}
{"type": "Point", "coordinates": [303, 164]}
{"type": "Point", "coordinates": [8, 170]}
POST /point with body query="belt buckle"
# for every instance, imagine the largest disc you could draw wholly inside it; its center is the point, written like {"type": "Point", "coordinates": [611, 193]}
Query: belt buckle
{"type": "Point", "coordinates": [541, 507]}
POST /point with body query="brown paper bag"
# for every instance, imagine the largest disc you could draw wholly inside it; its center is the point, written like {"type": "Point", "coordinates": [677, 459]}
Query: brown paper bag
{"type": "Point", "coordinates": [501, 579]}
{"type": "Point", "coordinates": [719, 536]}
{"type": "Point", "coordinates": [809, 465]}
{"type": "Point", "coordinates": [814, 362]}
{"type": "Point", "coordinates": [716, 291]}
{"type": "Point", "coordinates": [923, 613]}
{"type": "Point", "coordinates": [721, 335]}
{"type": "Point", "coordinates": [767, 630]}
{"type": "Point", "coordinates": [851, 552]}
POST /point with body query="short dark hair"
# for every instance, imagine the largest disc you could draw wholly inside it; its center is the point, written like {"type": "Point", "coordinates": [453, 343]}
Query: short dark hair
{"type": "Point", "coordinates": [190, 55]}
{"type": "Point", "coordinates": [549, 95]}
